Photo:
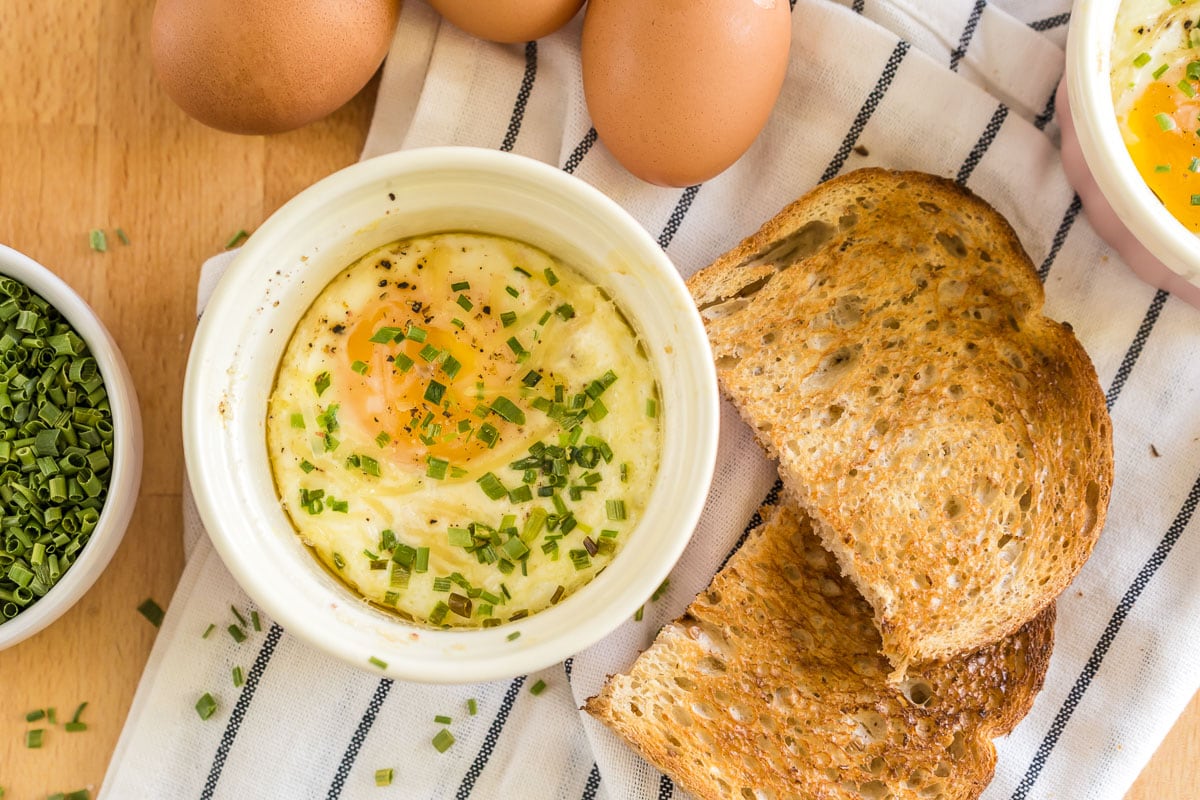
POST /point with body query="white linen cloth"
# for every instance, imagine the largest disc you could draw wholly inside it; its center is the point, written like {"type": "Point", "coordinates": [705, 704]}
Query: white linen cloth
{"type": "Point", "coordinates": [961, 88]}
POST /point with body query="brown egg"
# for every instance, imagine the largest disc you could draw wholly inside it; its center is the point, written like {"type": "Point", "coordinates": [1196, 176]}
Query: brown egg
{"type": "Point", "coordinates": [508, 20]}
{"type": "Point", "coordinates": [679, 89]}
{"type": "Point", "coordinates": [264, 66]}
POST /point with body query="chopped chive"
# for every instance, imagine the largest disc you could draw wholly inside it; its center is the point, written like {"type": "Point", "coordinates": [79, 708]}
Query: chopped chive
{"type": "Point", "coordinates": [415, 334]}
{"type": "Point", "coordinates": [637, 615]}
{"type": "Point", "coordinates": [307, 465]}
{"type": "Point", "coordinates": [236, 239]}
{"type": "Point", "coordinates": [152, 611]}
{"type": "Point", "coordinates": [321, 383]}
{"type": "Point", "coordinates": [615, 509]}
{"type": "Point", "coordinates": [1141, 59]}
{"type": "Point", "coordinates": [98, 240]}
{"type": "Point", "coordinates": [403, 362]}
{"type": "Point", "coordinates": [1193, 70]}
{"type": "Point", "coordinates": [472, 706]}
{"type": "Point", "coordinates": [1158, 73]}
{"type": "Point", "coordinates": [298, 421]}
{"type": "Point", "coordinates": [508, 410]}
{"type": "Point", "coordinates": [522, 270]}
{"type": "Point", "coordinates": [492, 486]}
{"type": "Point", "coordinates": [360, 367]}
{"type": "Point", "coordinates": [538, 687]}
{"type": "Point", "coordinates": [512, 291]}
{"type": "Point", "coordinates": [651, 407]}
{"type": "Point", "coordinates": [512, 637]}
{"type": "Point", "coordinates": [443, 740]}
{"type": "Point", "coordinates": [566, 311]}
{"type": "Point", "coordinates": [1162, 168]}
{"type": "Point", "coordinates": [1186, 87]}
{"type": "Point", "coordinates": [237, 633]}
{"type": "Point", "coordinates": [458, 323]}
{"type": "Point", "coordinates": [35, 715]}
{"type": "Point", "coordinates": [434, 392]}
{"type": "Point", "coordinates": [382, 439]}
{"type": "Point", "coordinates": [429, 353]}
{"type": "Point", "coordinates": [460, 286]}
{"type": "Point", "coordinates": [238, 677]}
{"type": "Point", "coordinates": [386, 335]}
{"type": "Point", "coordinates": [238, 616]}
{"type": "Point", "coordinates": [75, 727]}
{"type": "Point", "coordinates": [33, 738]}
{"type": "Point", "coordinates": [206, 706]}
{"type": "Point", "coordinates": [597, 411]}
{"type": "Point", "coordinates": [551, 278]}
{"type": "Point", "coordinates": [421, 562]}
{"type": "Point", "coordinates": [437, 467]}
{"type": "Point", "coordinates": [508, 318]}
{"type": "Point", "coordinates": [464, 302]}
{"type": "Point", "coordinates": [1196, 199]}
{"type": "Point", "coordinates": [383, 777]}
{"type": "Point", "coordinates": [442, 719]}
{"type": "Point", "coordinates": [661, 590]}
{"type": "Point", "coordinates": [515, 345]}
{"type": "Point", "coordinates": [208, 631]}
{"type": "Point", "coordinates": [255, 621]}
{"type": "Point", "coordinates": [377, 662]}
{"type": "Point", "coordinates": [532, 378]}
{"type": "Point", "coordinates": [121, 235]}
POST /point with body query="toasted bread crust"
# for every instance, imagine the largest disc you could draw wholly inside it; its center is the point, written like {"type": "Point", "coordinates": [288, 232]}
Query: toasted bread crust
{"type": "Point", "coordinates": [772, 682]}
{"type": "Point", "coordinates": [884, 337]}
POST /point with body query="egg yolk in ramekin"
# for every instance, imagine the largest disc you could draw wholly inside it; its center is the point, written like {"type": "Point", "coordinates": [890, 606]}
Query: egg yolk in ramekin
{"type": "Point", "coordinates": [1162, 134]}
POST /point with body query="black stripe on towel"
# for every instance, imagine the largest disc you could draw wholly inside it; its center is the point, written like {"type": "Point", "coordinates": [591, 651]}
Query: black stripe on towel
{"type": "Point", "coordinates": [1106, 639]}
{"type": "Point", "coordinates": [518, 112]}
{"type": "Point", "coordinates": [666, 789]}
{"type": "Point", "coordinates": [771, 499]}
{"type": "Point", "coordinates": [239, 710]}
{"type": "Point", "coordinates": [489, 741]}
{"type": "Point", "coordinates": [868, 108]}
{"type": "Point", "coordinates": [593, 783]}
{"type": "Point", "coordinates": [981, 146]}
{"type": "Point", "coordinates": [1051, 22]}
{"type": "Point", "coordinates": [1043, 119]}
{"type": "Point", "coordinates": [964, 41]}
{"type": "Point", "coordinates": [1060, 236]}
{"type": "Point", "coordinates": [857, 6]}
{"type": "Point", "coordinates": [568, 665]}
{"type": "Point", "coordinates": [581, 150]}
{"type": "Point", "coordinates": [1135, 348]}
{"type": "Point", "coordinates": [356, 741]}
{"type": "Point", "coordinates": [676, 218]}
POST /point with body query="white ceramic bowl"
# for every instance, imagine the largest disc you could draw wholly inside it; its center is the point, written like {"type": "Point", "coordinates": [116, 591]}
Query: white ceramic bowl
{"type": "Point", "coordinates": [1121, 207]}
{"type": "Point", "coordinates": [127, 449]}
{"type": "Point", "coordinates": [274, 279]}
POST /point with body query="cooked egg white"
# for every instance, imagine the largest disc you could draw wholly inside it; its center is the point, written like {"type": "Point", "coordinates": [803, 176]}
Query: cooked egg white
{"type": "Point", "coordinates": [1155, 81]}
{"type": "Point", "coordinates": [463, 429]}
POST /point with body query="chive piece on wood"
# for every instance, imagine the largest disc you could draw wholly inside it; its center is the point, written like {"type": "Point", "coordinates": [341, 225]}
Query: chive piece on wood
{"type": "Point", "coordinates": [98, 240]}
{"type": "Point", "coordinates": [236, 239]}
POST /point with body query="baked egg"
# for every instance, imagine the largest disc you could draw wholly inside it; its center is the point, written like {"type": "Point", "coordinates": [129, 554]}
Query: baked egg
{"type": "Point", "coordinates": [463, 429]}
{"type": "Point", "coordinates": [1155, 79]}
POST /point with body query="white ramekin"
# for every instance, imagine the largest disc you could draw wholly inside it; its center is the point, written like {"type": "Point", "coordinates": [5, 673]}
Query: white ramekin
{"type": "Point", "coordinates": [127, 449]}
{"type": "Point", "coordinates": [273, 280]}
{"type": "Point", "coordinates": [1119, 204]}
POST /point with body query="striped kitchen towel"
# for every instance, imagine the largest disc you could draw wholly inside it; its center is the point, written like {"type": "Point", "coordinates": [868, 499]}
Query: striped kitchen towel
{"type": "Point", "coordinates": [960, 88]}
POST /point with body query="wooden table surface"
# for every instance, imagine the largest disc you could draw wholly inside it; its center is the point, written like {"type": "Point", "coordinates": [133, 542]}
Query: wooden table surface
{"type": "Point", "coordinates": [87, 140]}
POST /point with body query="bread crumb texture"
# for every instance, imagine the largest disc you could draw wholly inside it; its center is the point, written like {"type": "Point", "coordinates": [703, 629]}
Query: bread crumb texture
{"type": "Point", "coordinates": [772, 687]}
{"type": "Point", "coordinates": [884, 337]}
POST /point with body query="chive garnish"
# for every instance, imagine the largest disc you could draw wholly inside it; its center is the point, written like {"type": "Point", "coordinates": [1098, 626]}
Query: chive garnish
{"type": "Point", "coordinates": [121, 235]}
{"type": "Point", "coordinates": [235, 239]}
{"type": "Point", "coordinates": [208, 631]}
{"type": "Point", "coordinates": [377, 662]}
{"type": "Point", "coordinates": [1193, 70]}
{"type": "Point", "coordinates": [492, 486]}
{"type": "Point", "coordinates": [421, 562]}
{"type": "Point", "coordinates": [1196, 199]}
{"type": "Point", "coordinates": [238, 677]}
{"type": "Point", "coordinates": [637, 615]}
{"type": "Point", "coordinates": [508, 410]}
{"type": "Point", "coordinates": [206, 706]}
{"type": "Point", "coordinates": [33, 738]}
{"type": "Point", "coordinates": [442, 719]}
{"type": "Point", "coordinates": [1158, 73]}
{"type": "Point", "coordinates": [35, 715]}
{"type": "Point", "coordinates": [566, 311]}
{"type": "Point", "coordinates": [460, 286]}
{"type": "Point", "coordinates": [1186, 87]}
{"type": "Point", "coordinates": [538, 687]}
{"type": "Point", "coordinates": [237, 633]}
{"type": "Point", "coordinates": [551, 278]}
{"type": "Point", "coordinates": [238, 616]}
{"type": "Point", "coordinates": [255, 621]}
{"type": "Point", "coordinates": [152, 611]}
{"type": "Point", "coordinates": [415, 334]}
{"type": "Point", "coordinates": [661, 590]}
{"type": "Point", "coordinates": [1141, 59]}
{"type": "Point", "coordinates": [434, 392]}
{"type": "Point", "coordinates": [512, 637]}
{"type": "Point", "coordinates": [615, 509]}
{"type": "Point", "coordinates": [512, 291]}
{"type": "Point", "coordinates": [403, 362]}
{"type": "Point", "coordinates": [360, 367]}
{"type": "Point", "coordinates": [298, 421]}
{"type": "Point", "coordinates": [472, 707]}
{"type": "Point", "coordinates": [443, 740]}
{"type": "Point", "coordinates": [387, 334]}
{"type": "Point", "coordinates": [464, 302]}
{"type": "Point", "coordinates": [383, 777]}
{"type": "Point", "coordinates": [306, 465]}
{"type": "Point", "coordinates": [75, 727]}
{"type": "Point", "coordinates": [321, 383]}
{"type": "Point", "coordinates": [98, 241]}
{"type": "Point", "coordinates": [437, 467]}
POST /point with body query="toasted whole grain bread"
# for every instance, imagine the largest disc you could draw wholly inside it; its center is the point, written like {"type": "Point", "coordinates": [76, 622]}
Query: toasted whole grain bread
{"type": "Point", "coordinates": [884, 336]}
{"type": "Point", "coordinates": [772, 685]}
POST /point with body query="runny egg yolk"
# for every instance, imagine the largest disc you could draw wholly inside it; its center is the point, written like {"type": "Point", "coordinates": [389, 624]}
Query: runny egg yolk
{"type": "Point", "coordinates": [1162, 134]}
{"type": "Point", "coordinates": [387, 385]}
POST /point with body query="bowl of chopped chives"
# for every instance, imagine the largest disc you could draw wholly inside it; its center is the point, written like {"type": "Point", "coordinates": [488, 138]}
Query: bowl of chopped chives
{"type": "Point", "coordinates": [451, 415]}
{"type": "Point", "coordinates": [70, 447]}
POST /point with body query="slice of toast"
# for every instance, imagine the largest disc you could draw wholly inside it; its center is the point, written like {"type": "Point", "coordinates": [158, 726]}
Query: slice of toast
{"type": "Point", "coordinates": [772, 685]}
{"type": "Point", "coordinates": [884, 336]}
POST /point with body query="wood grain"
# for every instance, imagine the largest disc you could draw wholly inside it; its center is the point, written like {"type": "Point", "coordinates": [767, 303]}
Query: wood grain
{"type": "Point", "coordinates": [87, 140]}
